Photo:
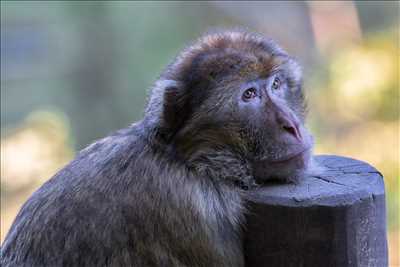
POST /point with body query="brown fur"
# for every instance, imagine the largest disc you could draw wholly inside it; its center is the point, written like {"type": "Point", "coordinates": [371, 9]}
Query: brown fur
{"type": "Point", "coordinates": [170, 189]}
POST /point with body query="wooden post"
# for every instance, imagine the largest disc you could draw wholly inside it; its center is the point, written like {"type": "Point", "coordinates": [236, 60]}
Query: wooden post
{"type": "Point", "coordinates": [337, 218]}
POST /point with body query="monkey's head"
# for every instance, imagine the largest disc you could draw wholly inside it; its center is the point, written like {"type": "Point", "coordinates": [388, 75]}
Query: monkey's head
{"type": "Point", "coordinates": [235, 91]}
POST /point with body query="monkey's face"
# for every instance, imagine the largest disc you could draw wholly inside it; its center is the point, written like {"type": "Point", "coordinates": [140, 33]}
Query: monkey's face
{"type": "Point", "coordinates": [262, 102]}
{"type": "Point", "coordinates": [270, 112]}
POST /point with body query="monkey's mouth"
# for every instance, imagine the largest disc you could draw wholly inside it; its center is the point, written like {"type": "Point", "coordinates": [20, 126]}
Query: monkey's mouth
{"type": "Point", "coordinates": [292, 157]}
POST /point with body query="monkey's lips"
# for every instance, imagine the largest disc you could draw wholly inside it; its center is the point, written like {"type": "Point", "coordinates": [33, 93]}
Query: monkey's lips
{"type": "Point", "coordinates": [287, 167]}
{"type": "Point", "coordinates": [290, 158]}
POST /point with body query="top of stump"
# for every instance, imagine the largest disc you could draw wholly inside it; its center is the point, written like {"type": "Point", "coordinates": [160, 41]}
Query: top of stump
{"type": "Point", "coordinates": [341, 181]}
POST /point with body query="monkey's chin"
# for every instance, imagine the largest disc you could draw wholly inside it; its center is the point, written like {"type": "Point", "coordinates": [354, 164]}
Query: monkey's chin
{"type": "Point", "coordinates": [288, 169]}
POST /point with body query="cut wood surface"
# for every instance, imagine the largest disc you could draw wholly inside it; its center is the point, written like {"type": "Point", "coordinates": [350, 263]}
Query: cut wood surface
{"type": "Point", "coordinates": [334, 218]}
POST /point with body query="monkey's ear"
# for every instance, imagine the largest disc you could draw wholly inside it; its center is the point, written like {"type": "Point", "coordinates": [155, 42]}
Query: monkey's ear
{"type": "Point", "coordinates": [176, 107]}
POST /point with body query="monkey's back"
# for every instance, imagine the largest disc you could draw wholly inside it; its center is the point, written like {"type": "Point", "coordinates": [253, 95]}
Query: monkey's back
{"type": "Point", "coordinates": [116, 204]}
{"type": "Point", "coordinates": [78, 212]}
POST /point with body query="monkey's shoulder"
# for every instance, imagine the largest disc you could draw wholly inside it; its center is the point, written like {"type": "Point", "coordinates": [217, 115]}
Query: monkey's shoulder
{"type": "Point", "coordinates": [107, 163]}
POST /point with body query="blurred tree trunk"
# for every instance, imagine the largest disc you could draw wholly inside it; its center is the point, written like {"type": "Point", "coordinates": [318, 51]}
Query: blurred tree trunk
{"type": "Point", "coordinates": [94, 108]}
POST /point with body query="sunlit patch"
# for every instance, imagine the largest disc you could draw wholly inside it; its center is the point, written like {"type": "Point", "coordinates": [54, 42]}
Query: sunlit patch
{"type": "Point", "coordinates": [360, 77]}
{"type": "Point", "coordinates": [32, 152]}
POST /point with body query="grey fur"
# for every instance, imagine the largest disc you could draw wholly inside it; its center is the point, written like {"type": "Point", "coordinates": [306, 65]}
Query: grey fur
{"type": "Point", "coordinates": [167, 191]}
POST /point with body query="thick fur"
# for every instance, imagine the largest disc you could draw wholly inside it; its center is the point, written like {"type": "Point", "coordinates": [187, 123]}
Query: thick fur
{"type": "Point", "coordinates": [168, 190]}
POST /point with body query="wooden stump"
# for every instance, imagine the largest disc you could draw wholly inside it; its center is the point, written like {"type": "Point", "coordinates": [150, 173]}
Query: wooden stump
{"type": "Point", "coordinates": [337, 218]}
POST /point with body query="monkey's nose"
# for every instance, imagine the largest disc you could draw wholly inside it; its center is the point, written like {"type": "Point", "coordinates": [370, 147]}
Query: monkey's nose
{"type": "Point", "coordinates": [292, 129]}
{"type": "Point", "coordinates": [288, 123]}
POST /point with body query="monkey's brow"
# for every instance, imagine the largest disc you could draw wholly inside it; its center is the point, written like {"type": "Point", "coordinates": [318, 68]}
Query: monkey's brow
{"type": "Point", "coordinates": [275, 70]}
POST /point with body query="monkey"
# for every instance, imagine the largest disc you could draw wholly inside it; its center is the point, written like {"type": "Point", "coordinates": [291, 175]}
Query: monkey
{"type": "Point", "coordinates": [226, 115]}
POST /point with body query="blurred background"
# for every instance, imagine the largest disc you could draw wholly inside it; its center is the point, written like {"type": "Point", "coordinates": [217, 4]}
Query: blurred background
{"type": "Point", "coordinates": [72, 72]}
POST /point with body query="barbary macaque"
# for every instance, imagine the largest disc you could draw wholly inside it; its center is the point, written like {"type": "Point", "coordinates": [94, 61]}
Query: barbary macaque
{"type": "Point", "coordinates": [170, 190]}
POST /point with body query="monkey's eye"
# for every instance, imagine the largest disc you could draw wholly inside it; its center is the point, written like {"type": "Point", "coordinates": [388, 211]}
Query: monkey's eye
{"type": "Point", "coordinates": [276, 84]}
{"type": "Point", "coordinates": [249, 94]}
